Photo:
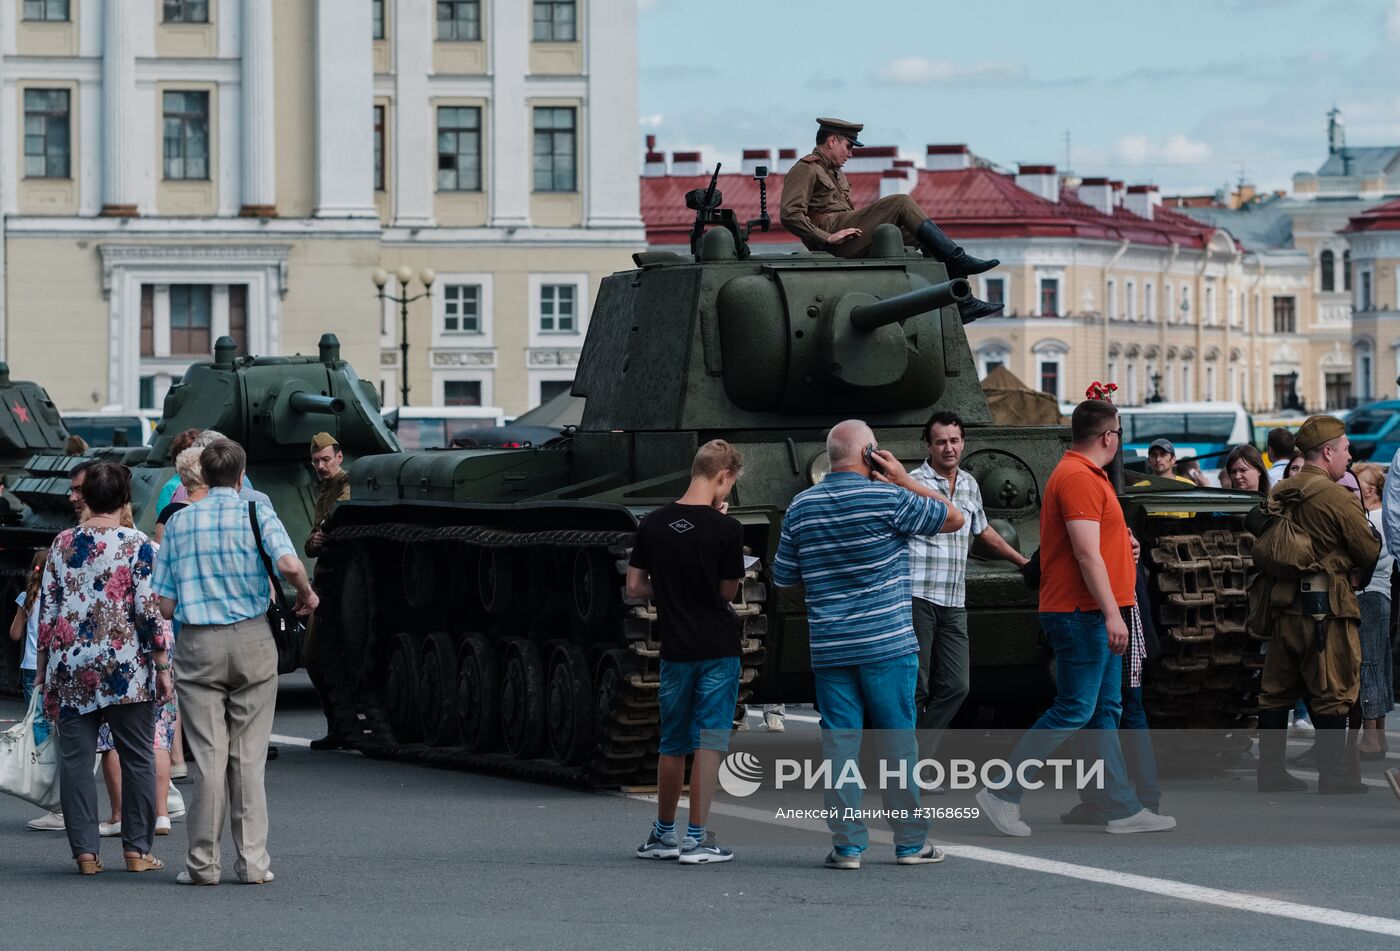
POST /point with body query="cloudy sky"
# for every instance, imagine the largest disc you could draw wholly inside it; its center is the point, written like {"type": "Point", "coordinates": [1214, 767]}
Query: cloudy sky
{"type": "Point", "coordinates": [1185, 93]}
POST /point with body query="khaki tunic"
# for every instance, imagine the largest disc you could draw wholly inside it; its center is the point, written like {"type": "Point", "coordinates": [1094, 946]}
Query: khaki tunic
{"type": "Point", "coordinates": [1344, 542]}
{"type": "Point", "coordinates": [332, 490]}
{"type": "Point", "coordinates": [817, 202]}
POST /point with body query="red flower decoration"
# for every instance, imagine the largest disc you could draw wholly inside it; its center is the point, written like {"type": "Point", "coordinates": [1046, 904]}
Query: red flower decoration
{"type": "Point", "coordinates": [1101, 391]}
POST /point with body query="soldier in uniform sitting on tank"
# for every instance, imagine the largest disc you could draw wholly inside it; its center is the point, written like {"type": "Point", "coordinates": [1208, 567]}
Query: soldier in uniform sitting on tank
{"type": "Point", "coordinates": [816, 207]}
{"type": "Point", "coordinates": [326, 459]}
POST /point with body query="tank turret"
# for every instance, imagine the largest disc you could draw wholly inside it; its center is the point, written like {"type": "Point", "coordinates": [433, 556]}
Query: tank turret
{"type": "Point", "coordinates": [29, 422]}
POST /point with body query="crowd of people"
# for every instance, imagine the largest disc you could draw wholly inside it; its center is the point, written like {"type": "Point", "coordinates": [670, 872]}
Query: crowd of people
{"type": "Point", "coordinates": [100, 616]}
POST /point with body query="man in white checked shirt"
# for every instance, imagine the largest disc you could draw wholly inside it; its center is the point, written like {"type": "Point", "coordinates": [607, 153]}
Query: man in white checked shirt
{"type": "Point", "coordinates": [938, 572]}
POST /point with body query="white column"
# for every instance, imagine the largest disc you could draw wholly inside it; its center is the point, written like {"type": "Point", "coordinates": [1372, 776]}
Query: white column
{"type": "Point", "coordinates": [414, 146]}
{"type": "Point", "coordinates": [344, 111]}
{"type": "Point", "coordinates": [118, 87]}
{"type": "Point", "coordinates": [612, 161]}
{"type": "Point", "coordinates": [511, 134]}
{"type": "Point", "coordinates": [259, 153]}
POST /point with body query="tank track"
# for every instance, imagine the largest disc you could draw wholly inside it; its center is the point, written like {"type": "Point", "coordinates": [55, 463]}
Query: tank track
{"type": "Point", "coordinates": [1207, 677]}
{"type": "Point", "coordinates": [623, 654]}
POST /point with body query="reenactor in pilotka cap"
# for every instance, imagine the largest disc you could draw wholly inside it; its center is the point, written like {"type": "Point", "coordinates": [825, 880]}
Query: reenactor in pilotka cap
{"type": "Point", "coordinates": [327, 460]}
{"type": "Point", "coordinates": [816, 207]}
{"type": "Point", "coordinates": [1315, 548]}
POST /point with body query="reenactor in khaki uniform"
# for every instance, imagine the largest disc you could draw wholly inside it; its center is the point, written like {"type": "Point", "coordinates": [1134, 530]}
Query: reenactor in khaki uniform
{"type": "Point", "coordinates": [816, 207]}
{"type": "Point", "coordinates": [1343, 547]}
{"type": "Point", "coordinates": [327, 460]}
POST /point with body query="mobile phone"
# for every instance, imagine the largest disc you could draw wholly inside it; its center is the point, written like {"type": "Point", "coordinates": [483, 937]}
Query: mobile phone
{"type": "Point", "coordinates": [868, 453]}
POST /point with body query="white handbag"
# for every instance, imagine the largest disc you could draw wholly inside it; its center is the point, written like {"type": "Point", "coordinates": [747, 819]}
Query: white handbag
{"type": "Point", "coordinates": [28, 770]}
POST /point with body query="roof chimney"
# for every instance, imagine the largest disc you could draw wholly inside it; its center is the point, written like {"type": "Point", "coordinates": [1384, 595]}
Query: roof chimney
{"type": "Point", "coordinates": [686, 163]}
{"type": "Point", "coordinates": [1039, 180]}
{"type": "Point", "coordinates": [1097, 193]}
{"type": "Point", "coordinates": [1117, 192]}
{"type": "Point", "coordinates": [753, 158]}
{"type": "Point", "coordinates": [787, 158]}
{"type": "Point", "coordinates": [943, 158]}
{"type": "Point", "coordinates": [872, 158]}
{"type": "Point", "coordinates": [1142, 199]}
{"type": "Point", "coordinates": [896, 181]}
{"type": "Point", "coordinates": [655, 163]}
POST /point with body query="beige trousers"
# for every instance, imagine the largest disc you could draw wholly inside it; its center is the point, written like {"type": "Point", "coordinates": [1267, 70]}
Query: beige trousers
{"type": "Point", "coordinates": [226, 676]}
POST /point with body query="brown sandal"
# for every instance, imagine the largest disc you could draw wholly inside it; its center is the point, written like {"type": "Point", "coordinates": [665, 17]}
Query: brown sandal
{"type": "Point", "coordinates": [143, 863]}
{"type": "Point", "coordinates": [89, 866]}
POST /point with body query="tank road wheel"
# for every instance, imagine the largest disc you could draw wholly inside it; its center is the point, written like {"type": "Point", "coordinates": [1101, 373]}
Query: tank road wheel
{"type": "Point", "coordinates": [522, 698]}
{"type": "Point", "coordinates": [496, 580]}
{"type": "Point", "coordinates": [419, 574]}
{"type": "Point", "coordinates": [356, 615]}
{"type": "Point", "coordinates": [478, 706]}
{"type": "Point", "coordinates": [401, 689]}
{"type": "Point", "coordinates": [595, 578]}
{"type": "Point", "coordinates": [568, 704]}
{"type": "Point", "coordinates": [437, 689]}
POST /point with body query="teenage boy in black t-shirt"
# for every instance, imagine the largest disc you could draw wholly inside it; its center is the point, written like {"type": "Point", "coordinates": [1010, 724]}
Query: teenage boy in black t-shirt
{"type": "Point", "coordinates": [689, 559]}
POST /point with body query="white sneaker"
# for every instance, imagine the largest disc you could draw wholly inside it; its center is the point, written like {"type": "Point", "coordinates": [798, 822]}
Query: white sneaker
{"type": "Point", "coordinates": [162, 825]}
{"type": "Point", "coordinates": [48, 822]}
{"type": "Point", "coordinates": [1144, 821]}
{"type": "Point", "coordinates": [109, 830]}
{"type": "Point", "coordinates": [773, 723]}
{"type": "Point", "coordinates": [1006, 816]}
{"type": "Point", "coordinates": [179, 771]}
{"type": "Point", "coordinates": [174, 803]}
{"type": "Point", "coordinates": [1302, 727]}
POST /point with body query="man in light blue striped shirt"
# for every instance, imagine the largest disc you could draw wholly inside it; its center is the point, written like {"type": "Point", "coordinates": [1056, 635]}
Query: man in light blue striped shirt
{"type": "Point", "coordinates": [846, 540]}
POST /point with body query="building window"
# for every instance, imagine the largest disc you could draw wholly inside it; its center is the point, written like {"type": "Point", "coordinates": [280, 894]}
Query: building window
{"type": "Point", "coordinates": [1365, 372]}
{"type": "Point", "coordinates": [376, 19]}
{"type": "Point", "coordinates": [1346, 270]}
{"type": "Point", "coordinates": [994, 290]}
{"type": "Point", "coordinates": [379, 148]}
{"type": "Point", "coordinates": [461, 309]}
{"type": "Point", "coordinates": [1283, 389]}
{"type": "Point", "coordinates": [1338, 386]}
{"type": "Point", "coordinates": [1186, 382]}
{"type": "Point", "coordinates": [1234, 312]}
{"type": "Point", "coordinates": [1329, 267]}
{"type": "Point", "coordinates": [1111, 300]}
{"type": "Point", "coordinates": [1050, 377]}
{"type": "Point", "coordinates": [1130, 389]}
{"type": "Point", "coordinates": [461, 393]}
{"type": "Point", "coordinates": [1365, 290]}
{"type": "Point", "coordinates": [1149, 305]}
{"type": "Point", "coordinates": [148, 320]}
{"type": "Point", "coordinates": [1185, 304]}
{"type": "Point", "coordinates": [186, 11]}
{"type": "Point", "coordinates": [557, 309]}
{"type": "Point", "coordinates": [554, 150]}
{"type": "Point", "coordinates": [146, 392]}
{"type": "Point", "coordinates": [549, 389]}
{"type": "Point", "coordinates": [1285, 315]}
{"type": "Point", "coordinates": [191, 310]}
{"type": "Point", "coordinates": [186, 136]}
{"type": "Point", "coordinates": [50, 10]}
{"type": "Point", "coordinates": [459, 20]}
{"type": "Point", "coordinates": [1211, 317]}
{"type": "Point", "coordinates": [1210, 383]}
{"type": "Point", "coordinates": [238, 316]}
{"type": "Point", "coordinates": [554, 21]}
{"type": "Point", "coordinates": [1132, 301]}
{"type": "Point", "coordinates": [1049, 297]}
{"type": "Point", "coordinates": [993, 365]}
{"type": "Point", "coordinates": [47, 149]}
{"type": "Point", "coordinates": [459, 149]}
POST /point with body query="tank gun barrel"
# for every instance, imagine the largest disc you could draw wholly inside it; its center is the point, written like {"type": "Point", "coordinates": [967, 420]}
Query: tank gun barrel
{"type": "Point", "coordinates": [313, 403]}
{"type": "Point", "coordinates": [891, 310]}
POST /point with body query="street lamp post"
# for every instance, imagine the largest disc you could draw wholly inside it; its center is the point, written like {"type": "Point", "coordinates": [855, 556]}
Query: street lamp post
{"type": "Point", "coordinates": [1156, 396]}
{"type": "Point", "coordinates": [405, 276]}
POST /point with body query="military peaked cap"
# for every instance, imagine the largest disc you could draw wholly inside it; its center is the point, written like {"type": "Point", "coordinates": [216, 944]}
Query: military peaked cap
{"type": "Point", "coordinates": [1318, 430]}
{"type": "Point", "coordinates": [850, 130]}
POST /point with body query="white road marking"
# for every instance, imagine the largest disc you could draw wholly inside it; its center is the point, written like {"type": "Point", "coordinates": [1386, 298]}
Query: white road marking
{"type": "Point", "coordinates": [289, 740]}
{"type": "Point", "coordinates": [757, 713]}
{"type": "Point", "coordinates": [1185, 891]}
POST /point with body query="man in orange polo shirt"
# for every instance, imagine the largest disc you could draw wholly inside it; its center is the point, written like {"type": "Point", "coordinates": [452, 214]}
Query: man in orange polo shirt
{"type": "Point", "coordinates": [1087, 581]}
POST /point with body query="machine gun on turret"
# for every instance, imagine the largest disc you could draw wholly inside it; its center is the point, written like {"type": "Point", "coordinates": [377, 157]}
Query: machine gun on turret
{"type": "Point", "coordinates": [708, 205]}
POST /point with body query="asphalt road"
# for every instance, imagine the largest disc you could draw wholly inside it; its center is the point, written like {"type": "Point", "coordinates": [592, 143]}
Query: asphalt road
{"type": "Point", "coordinates": [375, 855]}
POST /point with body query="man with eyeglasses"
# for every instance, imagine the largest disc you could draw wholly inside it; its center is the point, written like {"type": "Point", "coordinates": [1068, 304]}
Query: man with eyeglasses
{"type": "Point", "coordinates": [1087, 583]}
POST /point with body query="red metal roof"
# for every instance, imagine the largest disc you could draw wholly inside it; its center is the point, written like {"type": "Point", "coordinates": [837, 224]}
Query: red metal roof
{"type": "Point", "coordinates": [968, 203]}
{"type": "Point", "coordinates": [1380, 218]}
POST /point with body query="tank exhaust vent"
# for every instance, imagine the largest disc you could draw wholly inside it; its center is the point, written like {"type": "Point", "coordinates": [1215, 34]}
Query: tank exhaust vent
{"type": "Point", "coordinates": [224, 352]}
{"type": "Point", "coordinates": [330, 348]}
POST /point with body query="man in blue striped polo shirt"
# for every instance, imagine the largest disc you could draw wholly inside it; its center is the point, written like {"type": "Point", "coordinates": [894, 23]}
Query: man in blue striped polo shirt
{"type": "Point", "coordinates": [846, 540]}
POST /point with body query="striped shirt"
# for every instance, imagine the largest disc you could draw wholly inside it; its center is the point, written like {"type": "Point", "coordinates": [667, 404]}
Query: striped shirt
{"type": "Point", "coordinates": [209, 562]}
{"type": "Point", "coordinates": [847, 540]}
{"type": "Point", "coordinates": [938, 563]}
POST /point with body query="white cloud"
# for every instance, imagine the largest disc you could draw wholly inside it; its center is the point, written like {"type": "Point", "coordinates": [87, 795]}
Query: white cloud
{"type": "Point", "coordinates": [1392, 21]}
{"type": "Point", "coordinates": [1175, 149]}
{"type": "Point", "coordinates": [921, 71]}
{"type": "Point", "coordinates": [652, 121]}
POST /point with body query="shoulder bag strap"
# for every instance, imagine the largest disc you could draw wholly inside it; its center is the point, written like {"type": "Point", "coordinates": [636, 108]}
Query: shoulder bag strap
{"type": "Point", "coordinates": [277, 592]}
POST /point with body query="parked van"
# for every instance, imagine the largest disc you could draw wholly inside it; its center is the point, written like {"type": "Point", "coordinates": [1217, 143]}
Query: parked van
{"type": "Point", "coordinates": [1375, 431]}
{"type": "Point", "coordinates": [435, 427]}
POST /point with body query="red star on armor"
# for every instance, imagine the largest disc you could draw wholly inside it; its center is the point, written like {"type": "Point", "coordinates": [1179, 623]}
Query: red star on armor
{"type": "Point", "coordinates": [21, 412]}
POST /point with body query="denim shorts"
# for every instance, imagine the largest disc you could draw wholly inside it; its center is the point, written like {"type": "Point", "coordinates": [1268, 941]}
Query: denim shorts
{"type": "Point", "coordinates": [697, 704]}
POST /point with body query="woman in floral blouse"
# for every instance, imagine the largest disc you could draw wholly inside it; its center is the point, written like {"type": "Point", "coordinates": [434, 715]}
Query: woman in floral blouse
{"type": "Point", "coordinates": [103, 657]}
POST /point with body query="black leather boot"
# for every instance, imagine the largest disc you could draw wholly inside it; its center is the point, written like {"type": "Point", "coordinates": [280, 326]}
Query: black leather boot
{"type": "Point", "coordinates": [1271, 775]}
{"type": "Point", "coordinates": [1332, 776]}
{"type": "Point", "coordinates": [970, 310]}
{"type": "Point", "coordinates": [941, 248]}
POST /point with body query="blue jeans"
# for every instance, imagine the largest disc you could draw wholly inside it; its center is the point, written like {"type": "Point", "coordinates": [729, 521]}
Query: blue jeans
{"type": "Point", "coordinates": [1138, 756]}
{"type": "Point", "coordinates": [697, 704]}
{"type": "Point", "coordinates": [41, 725]}
{"type": "Point", "coordinates": [883, 694]}
{"type": "Point", "coordinates": [1088, 696]}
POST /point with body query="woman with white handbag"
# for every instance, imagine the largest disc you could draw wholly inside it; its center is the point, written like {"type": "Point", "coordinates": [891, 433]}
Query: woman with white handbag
{"type": "Point", "coordinates": [103, 656]}
{"type": "Point", "coordinates": [25, 627]}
